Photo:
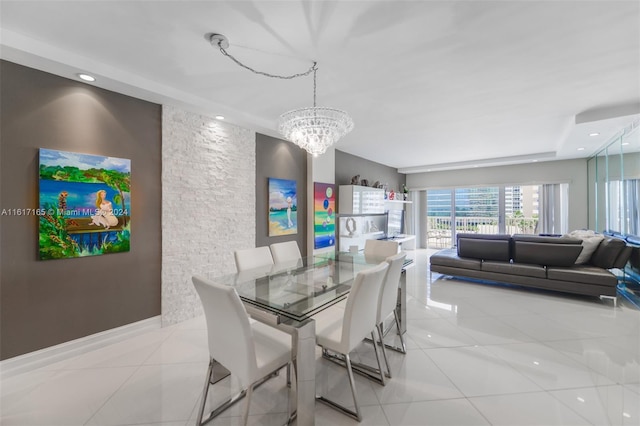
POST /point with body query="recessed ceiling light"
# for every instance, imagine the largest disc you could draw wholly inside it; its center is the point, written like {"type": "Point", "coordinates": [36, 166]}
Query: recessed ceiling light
{"type": "Point", "coordinates": [581, 149]}
{"type": "Point", "coordinates": [594, 134]}
{"type": "Point", "coordinates": [624, 143]}
{"type": "Point", "coordinates": [219, 117]}
{"type": "Point", "coordinates": [86, 77]}
{"type": "Point", "coordinates": [534, 161]}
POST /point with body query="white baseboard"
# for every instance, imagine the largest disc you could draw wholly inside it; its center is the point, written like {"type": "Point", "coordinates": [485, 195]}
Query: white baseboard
{"type": "Point", "coordinates": [33, 360]}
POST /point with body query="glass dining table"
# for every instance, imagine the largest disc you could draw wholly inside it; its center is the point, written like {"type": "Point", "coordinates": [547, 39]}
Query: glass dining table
{"type": "Point", "coordinates": [288, 295]}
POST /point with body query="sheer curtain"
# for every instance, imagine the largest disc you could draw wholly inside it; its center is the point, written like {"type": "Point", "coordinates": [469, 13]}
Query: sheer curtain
{"type": "Point", "coordinates": [632, 193]}
{"type": "Point", "coordinates": [553, 208]}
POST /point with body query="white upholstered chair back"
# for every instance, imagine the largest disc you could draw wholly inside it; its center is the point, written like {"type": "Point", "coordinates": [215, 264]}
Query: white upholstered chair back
{"type": "Point", "coordinates": [229, 332]}
{"type": "Point", "coordinates": [389, 291]}
{"type": "Point", "coordinates": [285, 252]}
{"type": "Point", "coordinates": [362, 307]}
{"type": "Point", "coordinates": [380, 249]}
{"type": "Point", "coordinates": [252, 258]}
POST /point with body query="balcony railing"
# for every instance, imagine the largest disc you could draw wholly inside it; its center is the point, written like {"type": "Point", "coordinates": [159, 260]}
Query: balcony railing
{"type": "Point", "coordinates": [440, 229]}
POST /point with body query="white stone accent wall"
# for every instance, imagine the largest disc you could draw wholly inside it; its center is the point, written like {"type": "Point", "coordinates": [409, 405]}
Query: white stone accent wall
{"type": "Point", "coordinates": [208, 204]}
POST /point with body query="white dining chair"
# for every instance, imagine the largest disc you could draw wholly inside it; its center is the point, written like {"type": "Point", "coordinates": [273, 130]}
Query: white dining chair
{"type": "Point", "coordinates": [380, 248]}
{"type": "Point", "coordinates": [342, 330]}
{"type": "Point", "coordinates": [251, 351]}
{"type": "Point", "coordinates": [285, 252]}
{"type": "Point", "coordinates": [252, 258]}
{"type": "Point", "coordinates": [388, 302]}
{"type": "Point", "coordinates": [386, 305]}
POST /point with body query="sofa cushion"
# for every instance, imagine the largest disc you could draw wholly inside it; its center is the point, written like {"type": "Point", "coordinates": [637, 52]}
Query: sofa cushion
{"type": "Point", "coordinates": [449, 257]}
{"type": "Point", "coordinates": [545, 239]}
{"type": "Point", "coordinates": [590, 242]}
{"type": "Point", "coordinates": [583, 274]}
{"type": "Point", "coordinates": [623, 257]}
{"type": "Point", "coordinates": [499, 237]}
{"type": "Point", "coordinates": [607, 252]}
{"type": "Point", "coordinates": [522, 269]}
{"type": "Point", "coordinates": [485, 249]}
{"type": "Point", "coordinates": [546, 253]}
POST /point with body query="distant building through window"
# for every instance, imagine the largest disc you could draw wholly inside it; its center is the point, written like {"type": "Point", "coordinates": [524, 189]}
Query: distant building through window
{"type": "Point", "coordinates": [510, 209]}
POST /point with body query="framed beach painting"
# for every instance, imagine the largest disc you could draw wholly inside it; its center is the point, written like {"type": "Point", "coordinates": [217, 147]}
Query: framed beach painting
{"type": "Point", "coordinates": [85, 204]}
{"type": "Point", "coordinates": [324, 218]}
{"type": "Point", "coordinates": [283, 207]}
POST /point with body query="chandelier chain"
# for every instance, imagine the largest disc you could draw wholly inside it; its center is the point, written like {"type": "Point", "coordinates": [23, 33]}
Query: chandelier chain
{"type": "Point", "coordinates": [266, 74]}
{"type": "Point", "coordinates": [313, 129]}
{"type": "Point", "coordinates": [314, 85]}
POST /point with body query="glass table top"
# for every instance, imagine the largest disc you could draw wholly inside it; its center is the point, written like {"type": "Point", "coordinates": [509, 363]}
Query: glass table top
{"type": "Point", "coordinates": [299, 289]}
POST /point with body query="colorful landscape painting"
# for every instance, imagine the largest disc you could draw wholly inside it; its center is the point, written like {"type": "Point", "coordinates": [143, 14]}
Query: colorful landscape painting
{"type": "Point", "coordinates": [324, 222]}
{"type": "Point", "coordinates": [85, 204]}
{"type": "Point", "coordinates": [283, 207]}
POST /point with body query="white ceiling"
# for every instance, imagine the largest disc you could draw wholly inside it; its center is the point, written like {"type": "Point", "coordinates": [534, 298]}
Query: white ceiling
{"type": "Point", "coordinates": [429, 84]}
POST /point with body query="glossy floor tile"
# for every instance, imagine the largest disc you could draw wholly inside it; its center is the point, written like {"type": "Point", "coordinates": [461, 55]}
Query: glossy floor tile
{"type": "Point", "coordinates": [478, 354]}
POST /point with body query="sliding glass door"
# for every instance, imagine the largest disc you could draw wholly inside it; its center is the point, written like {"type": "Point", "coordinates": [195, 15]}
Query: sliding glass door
{"type": "Point", "coordinates": [511, 209]}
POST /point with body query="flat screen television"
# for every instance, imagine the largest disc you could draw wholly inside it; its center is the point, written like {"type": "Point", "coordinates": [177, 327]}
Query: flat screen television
{"type": "Point", "coordinates": [395, 223]}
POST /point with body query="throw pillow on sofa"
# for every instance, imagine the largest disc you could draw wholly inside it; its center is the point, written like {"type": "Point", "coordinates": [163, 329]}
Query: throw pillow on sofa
{"type": "Point", "coordinates": [590, 242]}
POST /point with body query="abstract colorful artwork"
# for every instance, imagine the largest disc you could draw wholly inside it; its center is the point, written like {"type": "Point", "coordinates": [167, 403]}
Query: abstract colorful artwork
{"type": "Point", "coordinates": [324, 222]}
{"type": "Point", "coordinates": [85, 204]}
{"type": "Point", "coordinates": [283, 207]}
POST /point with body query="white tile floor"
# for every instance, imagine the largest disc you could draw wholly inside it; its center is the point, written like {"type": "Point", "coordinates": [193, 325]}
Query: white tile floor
{"type": "Point", "coordinates": [478, 355]}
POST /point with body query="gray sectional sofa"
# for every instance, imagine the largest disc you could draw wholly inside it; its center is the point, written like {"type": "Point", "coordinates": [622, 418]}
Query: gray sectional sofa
{"type": "Point", "coordinates": [534, 261]}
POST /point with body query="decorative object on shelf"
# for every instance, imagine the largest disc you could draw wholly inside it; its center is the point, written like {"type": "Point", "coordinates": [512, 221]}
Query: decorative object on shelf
{"type": "Point", "coordinates": [324, 223]}
{"type": "Point", "coordinates": [283, 207]}
{"type": "Point", "coordinates": [364, 182]}
{"type": "Point", "coordinates": [355, 180]}
{"type": "Point", "coordinates": [350, 225]}
{"type": "Point", "coordinates": [313, 129]}
{"type": "Point", "coordinates": [392, 195]}
{"type": "Point", "coordinates": [376, 184]}
{"type": "Point", "coordinates": [84, 204]}
{"type": "Point", "coordinates": [405, 192]}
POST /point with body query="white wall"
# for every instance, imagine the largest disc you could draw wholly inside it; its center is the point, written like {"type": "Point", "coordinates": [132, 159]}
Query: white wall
{"type": "Point", "coordinates": [573, 172]}
{"type": "Point", "coordinates": [208, 204]}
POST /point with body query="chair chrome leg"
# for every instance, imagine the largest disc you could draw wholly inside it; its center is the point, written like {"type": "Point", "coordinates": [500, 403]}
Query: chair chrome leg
{"type": "Point", "coordinates": [291, 394]}
{"type": "Point", "coordinates": [205, 392]}
{"type": "Point", "coordinates": [367, 371]}
{"type": "Point", "coordinates": [403, 346]}
{"type": "Point", "coordinates": [353, 414]}
{"type": "Point", "coordinates": [384, 352]}
{"type": "Point", "coordinates": [352, 382]}
{"type": "Point", "coordinates": [396, 321]}
{"type": "Point", "coordinates": [228, 403]}
{"type": "Point", "coordinates": [375, 350]}
{"type": "Point", "coordinates": [245, 415]}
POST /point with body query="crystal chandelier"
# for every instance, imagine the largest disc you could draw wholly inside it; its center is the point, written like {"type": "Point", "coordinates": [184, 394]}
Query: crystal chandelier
{"type": "Point", "coordinates": [313, 129]}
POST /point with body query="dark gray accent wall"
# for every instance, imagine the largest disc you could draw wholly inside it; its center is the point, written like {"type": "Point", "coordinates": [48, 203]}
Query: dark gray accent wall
{"type": "Point", "coordinates": [44, 303]}
{"type": "Point", "coordinates": [348, 165]}
{"type": "Point", "coordinates": [280, 159]}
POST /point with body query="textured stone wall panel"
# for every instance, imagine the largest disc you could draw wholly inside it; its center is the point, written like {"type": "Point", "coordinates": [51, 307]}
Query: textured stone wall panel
{"type": "Point", "coordinates": [208, 204]}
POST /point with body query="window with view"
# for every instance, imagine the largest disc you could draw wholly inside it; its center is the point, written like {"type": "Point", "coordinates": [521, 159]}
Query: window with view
{"type": "Point", "coordinates": [511, 209]}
